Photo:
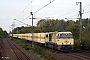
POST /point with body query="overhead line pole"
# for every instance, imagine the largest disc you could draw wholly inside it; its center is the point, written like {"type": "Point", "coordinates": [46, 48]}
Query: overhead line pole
{"type": "Point", "coordinates": [80, 13]}
{"type": "Point", "coordinates": [35, 18]}
{"type": "Point", "coordinates": [12, 29]}
{"type": "Point", "coordinates": [32, 29]}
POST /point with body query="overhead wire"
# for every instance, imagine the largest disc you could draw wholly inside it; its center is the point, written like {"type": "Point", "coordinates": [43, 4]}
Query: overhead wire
{"type": "Point", "coordinates": [44, 6]}
{"type": "Point", "coordinates": [60, 15]}
{"type": "Point", "coordinates": [37, 10]}
{"type": "Point", "coordinates": [48, 4]}
{"type": "Point", "coordinates": [69, 12]}
{"type": "Point", "coordinates": [86, 6]}
{"type": "Point", "coordinates": [25, 8]}
{"type": "Point", "coordinates": [82, 13]}
{"type": "Point", "coordinates": [40, 8]}
{"type": "Point", "coordinates": [86, 12]}
{"type": "Point", "coordinates": [23, 22]}
{"type": "Point", "coordinates": [74, 11]}
{"type": "Point", "coordinates": [28, 5]}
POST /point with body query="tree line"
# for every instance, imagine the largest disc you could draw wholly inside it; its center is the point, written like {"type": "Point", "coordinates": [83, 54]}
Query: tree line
{"type": "Point", "coordinates": [52, 25]}
{"type": "Point", "coordinates": [3, 33]}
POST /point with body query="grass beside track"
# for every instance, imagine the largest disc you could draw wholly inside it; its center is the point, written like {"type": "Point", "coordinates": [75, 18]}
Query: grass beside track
{"type": "Point", "coordinates": [46, 54]}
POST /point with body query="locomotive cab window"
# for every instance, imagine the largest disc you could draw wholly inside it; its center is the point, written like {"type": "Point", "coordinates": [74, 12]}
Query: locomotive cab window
{"type": "Point", "coordinates": [70, 35]}
{"type": "Point", "coordinates": [65, 35]}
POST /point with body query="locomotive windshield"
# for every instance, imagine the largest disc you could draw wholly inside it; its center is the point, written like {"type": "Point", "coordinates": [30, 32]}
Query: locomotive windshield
{"type": "Point", "coordinates": [65, 35]}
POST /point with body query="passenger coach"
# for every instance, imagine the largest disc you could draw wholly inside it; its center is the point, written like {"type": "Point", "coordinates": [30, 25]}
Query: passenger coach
{"type": "Point", "coordinates": [56, 40]}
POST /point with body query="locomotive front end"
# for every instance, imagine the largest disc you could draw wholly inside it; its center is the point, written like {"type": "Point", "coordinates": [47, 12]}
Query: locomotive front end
{"type": "Point", "coordinates": [66, 41]}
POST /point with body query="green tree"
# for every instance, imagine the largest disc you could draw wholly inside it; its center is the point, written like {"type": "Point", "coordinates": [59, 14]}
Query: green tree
{"type": "Point", "coordinates": [1, 30]}
{"type": "Point", "coordinates": [3, 33]}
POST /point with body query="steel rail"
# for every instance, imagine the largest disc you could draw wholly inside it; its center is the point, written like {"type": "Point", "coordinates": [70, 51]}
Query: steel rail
{"type": "Point", "coordinates": [22, 51]}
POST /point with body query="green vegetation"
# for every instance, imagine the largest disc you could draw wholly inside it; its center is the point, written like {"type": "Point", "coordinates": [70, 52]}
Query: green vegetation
{"type": "Point", "coordinates": [23, 43]}
{"type": "Point", "coordinates": [3, 33]}
{"type": "Point", "coordinates": [86, 37]}
{"type": "Point", "coordinates": [52, 25]}
{"type": "Point", "coordinates": [48, 55]}
{"type": "Point", "coordinates": [56, 25]}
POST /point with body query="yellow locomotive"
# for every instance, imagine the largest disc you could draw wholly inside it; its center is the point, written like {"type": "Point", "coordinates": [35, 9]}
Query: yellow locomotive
{"type": "Point", "coordinates": [63, 41]}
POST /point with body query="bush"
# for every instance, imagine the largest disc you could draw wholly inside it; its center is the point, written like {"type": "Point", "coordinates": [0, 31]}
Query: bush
{"type": "Point", "coordinates": [47, 54]}
{"type": "Point", "coordinates": [77, 44]}
{"type": "Point", "coordinates": [23, 43]}
{"type": "Point", "coordinates": [86, 41]}
{"type": "Point", "coordinates": [86, 45]}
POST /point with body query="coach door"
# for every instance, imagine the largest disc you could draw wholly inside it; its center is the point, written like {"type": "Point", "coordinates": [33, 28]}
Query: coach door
{"type": "Point", "coordinates": [50, 37]}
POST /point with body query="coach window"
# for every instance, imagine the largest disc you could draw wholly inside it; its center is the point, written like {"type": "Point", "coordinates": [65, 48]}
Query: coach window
{"type": "Point", "coordinates": [47, 35]}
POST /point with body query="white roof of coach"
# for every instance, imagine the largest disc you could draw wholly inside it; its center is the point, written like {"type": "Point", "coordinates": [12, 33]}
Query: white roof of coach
{"type": "Point", "coordinates": [65, 32]}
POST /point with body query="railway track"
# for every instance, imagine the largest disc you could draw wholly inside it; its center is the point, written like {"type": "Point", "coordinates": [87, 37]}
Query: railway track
{"type": "Point", "coordinates": [26, 57]}
{"type": "Point", "coordinates": [6, 53]}
{"type": "Point", "coordinates": [0, 47]}
{"type": "Point", "coordinates": [73, 55]}
{"type": "Point", "coordinates": [81, 55]}
{"type": "Point", "coordinates": [16, 53]}
{"type": "Point", "coordinates": [11, 51]}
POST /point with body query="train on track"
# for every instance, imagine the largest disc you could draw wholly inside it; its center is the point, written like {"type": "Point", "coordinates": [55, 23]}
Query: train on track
{"type": "Point", "coordinates": [62, 41]}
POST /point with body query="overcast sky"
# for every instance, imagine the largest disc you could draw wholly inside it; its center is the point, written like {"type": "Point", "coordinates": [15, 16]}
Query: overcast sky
{"type": "Point", "coordinates": [20, 10]}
